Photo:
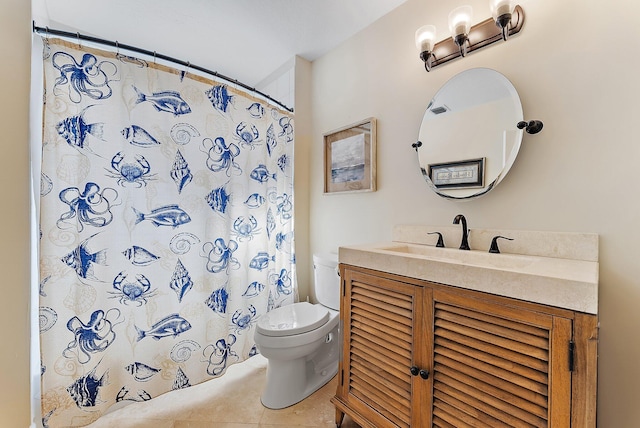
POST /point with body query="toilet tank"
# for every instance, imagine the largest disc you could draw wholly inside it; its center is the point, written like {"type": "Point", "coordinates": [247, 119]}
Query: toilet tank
{"type": "Point", "coordinates": [327, 280]}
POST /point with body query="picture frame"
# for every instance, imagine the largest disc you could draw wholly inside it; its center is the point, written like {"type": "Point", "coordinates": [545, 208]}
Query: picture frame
{"type": "Point", "coordinates": [350, 158]}
{"type": "Point", "coordinates": [466, 174]}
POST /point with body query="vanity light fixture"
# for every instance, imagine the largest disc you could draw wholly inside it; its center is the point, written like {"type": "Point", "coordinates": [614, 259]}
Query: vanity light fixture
{"type": "Point", "coordinates": [507, 19]}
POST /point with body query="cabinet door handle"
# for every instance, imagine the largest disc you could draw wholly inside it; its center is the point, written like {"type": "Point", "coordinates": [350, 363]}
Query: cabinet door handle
{"type": "Point", "coordinates": [415, 371]}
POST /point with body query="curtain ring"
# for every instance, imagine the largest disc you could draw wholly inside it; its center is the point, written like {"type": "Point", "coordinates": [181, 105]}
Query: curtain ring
{"type": "Point", "coordinates": [117, 48]}
{"type": "Point", "coordinates": [78, 37]}
{"type": "Point", "coordinates": [46, 33]}
{"type": "Point", "coordinates": [154, 57]}
{"type": "Point", "coordinates": [184, 72]}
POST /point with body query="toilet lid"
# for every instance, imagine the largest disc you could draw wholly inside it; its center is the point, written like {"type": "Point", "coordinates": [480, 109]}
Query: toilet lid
{"type": "Point", "coordinates": [292, 319]}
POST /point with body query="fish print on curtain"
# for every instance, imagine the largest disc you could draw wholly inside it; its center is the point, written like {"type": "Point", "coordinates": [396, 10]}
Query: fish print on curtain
{"type": "Point", "coordinates": [166, 229]}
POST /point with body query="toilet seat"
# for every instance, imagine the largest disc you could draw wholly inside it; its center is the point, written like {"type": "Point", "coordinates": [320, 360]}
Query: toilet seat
{"type": "Point", "coordinates": [292, 319]}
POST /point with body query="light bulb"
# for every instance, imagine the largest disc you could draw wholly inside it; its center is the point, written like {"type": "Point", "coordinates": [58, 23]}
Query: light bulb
{"type": "Point", "coordinates": [460, 21]}
{"type": "Point", "coordinates": [500, 7]}
{"type": "Point", "coordinates": [425, 38]}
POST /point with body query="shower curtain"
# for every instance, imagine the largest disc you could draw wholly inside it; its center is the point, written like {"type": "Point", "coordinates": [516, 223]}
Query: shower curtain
{"type": "Point", "coordinates": [166, 228]}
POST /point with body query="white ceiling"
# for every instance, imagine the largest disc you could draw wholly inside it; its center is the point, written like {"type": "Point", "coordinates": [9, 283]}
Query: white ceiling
{"type": "Point", "coordinates": [245, 40]}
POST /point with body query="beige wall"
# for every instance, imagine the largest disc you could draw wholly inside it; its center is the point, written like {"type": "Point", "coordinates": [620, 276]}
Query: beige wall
{"type": "Point", "coordinates": [15, 30]}
{"type": "Point", "coordinates": [303, 141]}
{"type": "Point", "coordinates": [576, 67]}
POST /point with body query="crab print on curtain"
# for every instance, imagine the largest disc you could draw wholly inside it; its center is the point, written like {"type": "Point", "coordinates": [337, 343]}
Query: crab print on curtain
{"type": "Point", "coordinates": [166, 229]}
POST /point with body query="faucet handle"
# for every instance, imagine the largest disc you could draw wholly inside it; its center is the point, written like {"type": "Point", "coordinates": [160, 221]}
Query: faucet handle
{"type": "Point", "coordinates": [494, 244]}
{"type": "Point", "coordinates": [440, 243]}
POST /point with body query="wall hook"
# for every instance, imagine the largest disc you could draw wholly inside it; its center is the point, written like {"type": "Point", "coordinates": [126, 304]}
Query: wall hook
{"type": "Point", "coordinates": [532, 127]}
{"type": "Point", "coordinates": [416, 145]}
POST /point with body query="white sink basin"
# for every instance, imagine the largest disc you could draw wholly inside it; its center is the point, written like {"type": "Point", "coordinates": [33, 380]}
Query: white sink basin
{"type": "Point", "coordinates": [565, 283]}
{"type": "Point", "coordinates": [475, 258]}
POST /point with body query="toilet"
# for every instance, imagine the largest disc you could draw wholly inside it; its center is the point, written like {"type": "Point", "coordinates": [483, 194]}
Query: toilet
{"type": "Point", "coordinates": [301, 341]}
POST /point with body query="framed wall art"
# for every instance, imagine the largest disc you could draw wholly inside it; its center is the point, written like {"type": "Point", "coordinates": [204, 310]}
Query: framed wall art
{"type": "Point", "coordinates": [350, 158]}
{"type": "Point", "coordinates": [458, 175]}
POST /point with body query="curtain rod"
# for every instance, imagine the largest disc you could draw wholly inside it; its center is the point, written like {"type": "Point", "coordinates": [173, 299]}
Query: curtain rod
{"type": "Point", "coordinates": [116, 44]}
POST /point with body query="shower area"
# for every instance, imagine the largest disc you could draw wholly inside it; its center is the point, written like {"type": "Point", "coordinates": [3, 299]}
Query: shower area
{"type": "Point", "coordinates": [164, 224]}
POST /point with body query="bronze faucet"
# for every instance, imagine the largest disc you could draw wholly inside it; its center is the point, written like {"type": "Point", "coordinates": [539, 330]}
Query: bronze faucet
{"type": "Point", "coordinates": [464, 245]}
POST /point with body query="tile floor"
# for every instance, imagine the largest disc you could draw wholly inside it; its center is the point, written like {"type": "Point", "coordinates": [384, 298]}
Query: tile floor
{"type": "Point", "coordinates": [231, 401]}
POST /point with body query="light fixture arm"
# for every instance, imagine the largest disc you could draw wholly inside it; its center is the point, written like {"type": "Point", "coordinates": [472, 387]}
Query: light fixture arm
{"type": "Point", "coordinates": [502, 22]}
{"type": "Point", "coordinates": [427, 57]}
{"type": "Point", "coordinates": [462, 41]}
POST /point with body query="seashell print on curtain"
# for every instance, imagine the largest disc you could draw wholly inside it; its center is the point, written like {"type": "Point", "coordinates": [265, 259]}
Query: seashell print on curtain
{"type": "Point", "coordinates": [166, 229]}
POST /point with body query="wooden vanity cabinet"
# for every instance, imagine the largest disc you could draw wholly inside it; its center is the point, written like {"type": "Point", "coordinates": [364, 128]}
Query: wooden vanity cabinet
{"type": "Point", "coordinates": [420, 354]}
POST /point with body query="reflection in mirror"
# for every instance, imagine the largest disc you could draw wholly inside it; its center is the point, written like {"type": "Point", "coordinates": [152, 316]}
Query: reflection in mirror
{"type": "Point", "coordinates": [469, 134]}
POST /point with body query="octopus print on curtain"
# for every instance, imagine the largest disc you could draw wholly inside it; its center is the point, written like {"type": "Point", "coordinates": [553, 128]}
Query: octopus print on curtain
{"type": "Point", "coordinates": [166, 229]}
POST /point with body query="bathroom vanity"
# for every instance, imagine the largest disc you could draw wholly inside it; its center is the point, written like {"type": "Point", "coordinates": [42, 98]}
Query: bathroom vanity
{"type": "Point", "coordinates": [449, 338]}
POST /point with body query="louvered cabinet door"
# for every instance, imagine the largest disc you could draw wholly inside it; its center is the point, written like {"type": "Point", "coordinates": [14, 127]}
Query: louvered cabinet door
{"type": "Point", "coordinates": [498, 366]}
{"type": "Point", "coordinates": [380, 319]}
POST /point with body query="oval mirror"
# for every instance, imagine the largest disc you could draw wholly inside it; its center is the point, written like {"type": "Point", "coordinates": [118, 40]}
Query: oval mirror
{"type": "Point", "coordinates": [469, 138]}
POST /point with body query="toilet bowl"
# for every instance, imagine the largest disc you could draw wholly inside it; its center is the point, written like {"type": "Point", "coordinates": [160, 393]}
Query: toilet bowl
{"type": "Point", "coordinates": [301, 341]}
